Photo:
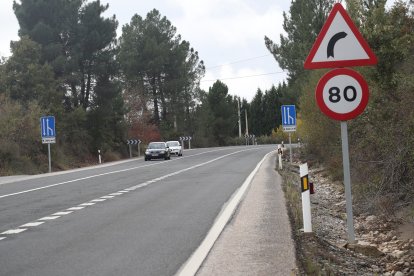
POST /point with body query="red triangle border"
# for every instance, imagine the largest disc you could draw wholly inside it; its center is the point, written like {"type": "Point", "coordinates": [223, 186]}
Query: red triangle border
{"type": "Point", "coordinates": [372, 60]}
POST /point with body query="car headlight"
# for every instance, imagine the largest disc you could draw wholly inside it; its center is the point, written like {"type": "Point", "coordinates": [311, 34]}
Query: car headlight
{"type": "Point", "coordinates": [162, 152]}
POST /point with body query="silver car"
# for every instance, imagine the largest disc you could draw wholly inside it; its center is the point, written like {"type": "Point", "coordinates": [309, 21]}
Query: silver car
{"type": "Point", "coordinates": [175, 148]}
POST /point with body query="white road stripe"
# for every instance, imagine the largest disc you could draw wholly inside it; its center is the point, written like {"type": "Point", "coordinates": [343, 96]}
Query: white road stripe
{"type": "Point", "coordinates": [107, 197]}
{"type": "Point", "coordinates": [2, 238]}
{"type": "Point", "coordinates": [75, 208]}
{"type": "Point", "coordinates": [123, 191]}
{"type": "Point", "coordinates": [87, 204]}
{"type": "Point", "coordinates": [50, 218]}
{"type": "Point", "coordinates": [115, 194]}
{"type": "Point", "coordinates": [62, 213]}
{"type": "Point", "coordinates": [98, 200]}
{"type": "Point", "coordinates": [33, 224]}
{"type": "Point", "coordinates": [14, 231]}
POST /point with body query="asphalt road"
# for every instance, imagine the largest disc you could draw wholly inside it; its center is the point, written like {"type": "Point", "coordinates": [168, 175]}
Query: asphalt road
{"type": "Point", "coordinates": [133, 218]}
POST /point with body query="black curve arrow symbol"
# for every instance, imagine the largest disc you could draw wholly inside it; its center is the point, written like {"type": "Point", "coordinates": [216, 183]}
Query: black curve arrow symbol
{"type": "Point", "coordinates": [332, 42]}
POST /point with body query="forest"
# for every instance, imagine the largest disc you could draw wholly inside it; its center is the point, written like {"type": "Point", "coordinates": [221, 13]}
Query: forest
{"type": "Point", "coordinates": [103, 89]}
{"type": "Point", "coordinates": [145, 84]}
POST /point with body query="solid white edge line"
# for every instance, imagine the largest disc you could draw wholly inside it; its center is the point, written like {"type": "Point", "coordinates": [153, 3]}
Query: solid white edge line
{"type": "Point", "coordinates": [2, 238]}
{"type": "Point", "coordinates": [192, 265]}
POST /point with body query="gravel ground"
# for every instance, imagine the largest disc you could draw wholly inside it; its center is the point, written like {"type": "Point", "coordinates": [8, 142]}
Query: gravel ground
{"type": "Point", "coordinates": [379, 249]}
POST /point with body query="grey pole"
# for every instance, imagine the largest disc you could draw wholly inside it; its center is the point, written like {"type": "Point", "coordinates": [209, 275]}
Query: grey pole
{"type": "Point", "coordinates": [290, 148]}
{"type": "Point", "coordinates": [50, 159]}
{"type": "Point", "coordinates": [238, 111]}
{"type": "Point", "coordinates": [139, 150]}
{"type": "Point", "coordinates": [347, 182]}
{"type": "Point", "coordinates": [130, 151]}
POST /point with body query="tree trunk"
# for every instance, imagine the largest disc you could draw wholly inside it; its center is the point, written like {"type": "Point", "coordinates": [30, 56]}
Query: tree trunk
{"type": "Point", "coordinates": [155, 99]}
{"type": "Point", "coordinates": [88, 90]}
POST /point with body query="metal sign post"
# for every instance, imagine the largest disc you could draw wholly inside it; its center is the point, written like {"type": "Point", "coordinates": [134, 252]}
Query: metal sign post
{"type": "Point", "coordinates": [347, 182]}
{"type": "Point", "coordinates": [50, 158]}
{"type": "Point", "coordinates": [139, 149]}
{"type": "Point", "coordinates": [290, 149]}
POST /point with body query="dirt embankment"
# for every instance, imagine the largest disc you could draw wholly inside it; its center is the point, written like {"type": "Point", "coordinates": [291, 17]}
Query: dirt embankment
{"type": "Point", "coordinates": [385, 244]}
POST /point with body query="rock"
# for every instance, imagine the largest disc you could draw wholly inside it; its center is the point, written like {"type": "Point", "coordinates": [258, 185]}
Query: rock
{"type": "Point", "coordinates": [370, 218]}
{"type": "Point", "coordinates": [399, 273]}
{"type": "Point", "coordinates": [366, 250]}
{"type": "Point", "coordinates": [397, 254]}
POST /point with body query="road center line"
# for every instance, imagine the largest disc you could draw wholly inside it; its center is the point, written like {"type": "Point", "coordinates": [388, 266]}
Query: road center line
{"type": "Point", "coordinates": [113, 172]}
{"type": "Point", "coordinates": [93, 176]}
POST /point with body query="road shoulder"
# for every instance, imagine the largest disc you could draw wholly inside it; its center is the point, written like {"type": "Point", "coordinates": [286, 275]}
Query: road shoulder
{"type": "Point", "coordinates": [257, 240]}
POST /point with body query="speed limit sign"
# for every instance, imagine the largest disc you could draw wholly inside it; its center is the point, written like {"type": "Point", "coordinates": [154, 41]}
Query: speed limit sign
{"type": "Point", "coordinates": [342, 94]}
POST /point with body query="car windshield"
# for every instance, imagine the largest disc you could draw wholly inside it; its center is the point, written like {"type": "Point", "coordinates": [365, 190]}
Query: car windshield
{"type": "Point", "coordinates": [156, 146]}
{"type": "Point", "coordinates": [173, 144]}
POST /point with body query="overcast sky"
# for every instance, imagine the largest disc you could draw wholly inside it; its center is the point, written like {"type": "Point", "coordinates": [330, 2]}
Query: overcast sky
{"type": "Point", "coordinates": [228, 35]}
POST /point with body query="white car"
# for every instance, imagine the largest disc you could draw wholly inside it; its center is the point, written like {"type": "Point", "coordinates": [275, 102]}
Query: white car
{"type": "Point", "coordinates": [175, 148]}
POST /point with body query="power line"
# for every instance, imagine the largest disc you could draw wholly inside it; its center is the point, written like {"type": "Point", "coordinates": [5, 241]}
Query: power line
{"type": "Point", "coordinates": [244, 77]}
{"type": "Point", "coordinates": [238, 61]}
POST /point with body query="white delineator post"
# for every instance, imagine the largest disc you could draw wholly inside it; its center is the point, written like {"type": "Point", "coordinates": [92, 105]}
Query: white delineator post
{"type": "Point", "coordinates": [99, 157]}
{"type": "Point", "coordinates": [280, 153]}
{"type": "Point", "coordinates": [306, 206]}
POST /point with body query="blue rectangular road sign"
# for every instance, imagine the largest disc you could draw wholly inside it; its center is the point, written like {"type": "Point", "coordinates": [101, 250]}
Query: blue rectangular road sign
{"type": "Point", "coordinates": [47, 129]}
{"type": "Point", "coordinates": [288, 118]}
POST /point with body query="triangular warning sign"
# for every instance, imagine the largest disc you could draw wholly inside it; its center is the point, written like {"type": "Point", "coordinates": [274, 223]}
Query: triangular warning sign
{"type": "Point", "coordinates": [339, 44]}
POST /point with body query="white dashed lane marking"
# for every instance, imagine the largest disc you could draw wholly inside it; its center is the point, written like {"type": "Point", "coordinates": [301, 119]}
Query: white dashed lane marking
{"type": "Point", "coordinates": [14, 231]}
{"type": "Point", "coordinates": [75, 208]}
{"type": "Point", "coordinates": [62, 213]}
{"type": "Point", "coordinates": [87, 204]}
{"type": "Point", "coordinates": [98, 200]}
{"type": "Point", "coordinates": [33, 224]}
{"type": "Point", "coordinates": [94, 201]}
{"type": "Point", "coordinates": [49, 218]}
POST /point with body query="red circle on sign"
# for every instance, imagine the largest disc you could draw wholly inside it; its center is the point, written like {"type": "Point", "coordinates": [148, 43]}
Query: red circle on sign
{"type": "Point", "coordinates": [338, 105]}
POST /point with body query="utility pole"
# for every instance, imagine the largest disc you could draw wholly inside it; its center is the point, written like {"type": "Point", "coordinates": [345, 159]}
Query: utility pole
{"type": "Point", "coordinates": [238, 111]}
{"type": "Point", "coordinates": [247, 124]}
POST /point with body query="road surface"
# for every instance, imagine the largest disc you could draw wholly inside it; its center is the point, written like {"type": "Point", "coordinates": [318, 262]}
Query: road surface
{"type": "Point", "coordinates": [131, 218]}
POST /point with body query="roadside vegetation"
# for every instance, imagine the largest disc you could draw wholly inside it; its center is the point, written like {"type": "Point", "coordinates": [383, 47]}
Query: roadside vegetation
{"type": "Point", "coordinates": [381, 138]}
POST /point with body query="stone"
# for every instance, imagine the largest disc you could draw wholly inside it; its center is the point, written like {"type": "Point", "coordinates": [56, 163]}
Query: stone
{"type": "Point", "coordinates": [399, 273]}
{"type": "Point", "coordinates": [366, 250]}
{"type": "Point", "coordinates": [398, 254]}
